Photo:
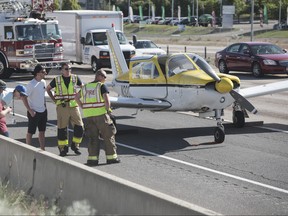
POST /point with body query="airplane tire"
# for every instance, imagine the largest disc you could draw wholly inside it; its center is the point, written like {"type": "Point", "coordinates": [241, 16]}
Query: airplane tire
{"type": "Point", "coordinates": [238, 119]}
{"type": "Point", "coordinates": [219, 135]}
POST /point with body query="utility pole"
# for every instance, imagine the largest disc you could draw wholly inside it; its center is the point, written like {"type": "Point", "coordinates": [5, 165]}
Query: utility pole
{"type": "Point", "coordinates": [172, 9]}
{"type": "Point", "coordinates": [252, 20]}
{"type": "Point", "coordinates": [280, 5]}
{"type": "Point", "coordinates": [197, 24]}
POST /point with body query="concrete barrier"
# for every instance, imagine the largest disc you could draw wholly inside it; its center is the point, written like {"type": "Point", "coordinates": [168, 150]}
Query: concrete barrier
{"type": "Point", "coordinates": [64, 181]}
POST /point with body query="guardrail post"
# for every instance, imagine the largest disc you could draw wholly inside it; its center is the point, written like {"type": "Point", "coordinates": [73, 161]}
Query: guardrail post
{"type": "Point", "coordinates": [185, 49]}
{"type": "Point", "coordinates": [167, 49]}
{"type": "Point", "coordinates": [205, 52]}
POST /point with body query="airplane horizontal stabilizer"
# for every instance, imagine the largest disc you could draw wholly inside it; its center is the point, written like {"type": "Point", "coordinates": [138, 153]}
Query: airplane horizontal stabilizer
{"type": "Point", "coordinates": [139, 103]}
{"type": "Point", "coordinates": [264, 89]}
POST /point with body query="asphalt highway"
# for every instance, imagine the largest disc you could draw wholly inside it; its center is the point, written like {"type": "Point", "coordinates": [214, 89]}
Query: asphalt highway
{"type": "Point", "coordinates": [174, 153]}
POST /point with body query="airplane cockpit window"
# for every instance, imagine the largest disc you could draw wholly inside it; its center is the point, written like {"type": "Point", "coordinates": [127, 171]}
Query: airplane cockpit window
{"type": "Point", "coordinates": [178, 64]}
{"type": "Point", "coordinates": [144, 70]}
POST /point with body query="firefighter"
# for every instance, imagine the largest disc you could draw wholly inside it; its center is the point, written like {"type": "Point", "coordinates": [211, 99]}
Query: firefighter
{"type": "Point", "coordinates": [67, 109]}
{"type": "Point", "coordinates": [94, 100]}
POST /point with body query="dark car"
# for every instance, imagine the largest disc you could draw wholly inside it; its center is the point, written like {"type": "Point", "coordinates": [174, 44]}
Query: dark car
{"type": "Point", "coordinates": [257, 57]}
{"type": "Point", "coordinates": [192, 22]}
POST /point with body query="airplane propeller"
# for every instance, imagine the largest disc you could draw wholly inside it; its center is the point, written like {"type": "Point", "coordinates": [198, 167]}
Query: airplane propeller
{"type": "Point", "coordinates": [224, 85]}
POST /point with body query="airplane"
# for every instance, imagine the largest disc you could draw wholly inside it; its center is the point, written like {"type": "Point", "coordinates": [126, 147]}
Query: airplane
{"type": "Point", "coordinates": [181, 82]}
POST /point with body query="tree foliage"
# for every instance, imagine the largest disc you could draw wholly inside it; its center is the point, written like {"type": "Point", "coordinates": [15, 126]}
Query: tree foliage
{"type": "Point", "coordinates": [204, 6]}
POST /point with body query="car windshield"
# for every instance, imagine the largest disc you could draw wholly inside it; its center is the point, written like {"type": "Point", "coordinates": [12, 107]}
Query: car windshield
{"type": "Point", "coordinates": [44, 31]}
{"type": "Point", "coordinates": [145, 45]}
{"type": "Point", "coordinates": [265, 49]}
{"type": "Point", "coordinates": [100, 38]}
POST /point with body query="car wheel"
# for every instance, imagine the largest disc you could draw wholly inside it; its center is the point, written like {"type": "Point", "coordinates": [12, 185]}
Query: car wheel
{"type": "Point", "coordinates": [256, 70]}
{"type": "Point", "coordinates": [94, 65]}
{"type": "Point", "coordinates": [5, 72]}
{"type": "Point", "coordinates": [223, 67]}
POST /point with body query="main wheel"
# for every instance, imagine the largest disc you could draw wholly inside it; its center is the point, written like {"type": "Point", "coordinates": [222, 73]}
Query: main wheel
{"type": "Point", "coordinates": [256, 70]}
{"type": "Point", "coordinates": [219, 135]}
{"type": "Point", "coordinates": [223, 67]}
{"type": "Point", "coordinates": [238, 119]}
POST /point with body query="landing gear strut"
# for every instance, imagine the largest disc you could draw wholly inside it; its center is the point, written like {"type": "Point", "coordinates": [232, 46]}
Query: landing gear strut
{"type": "Point", "coordinates": [219, 132]}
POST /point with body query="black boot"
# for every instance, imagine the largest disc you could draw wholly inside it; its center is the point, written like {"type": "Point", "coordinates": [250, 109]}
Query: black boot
{"type": "Point", "coordinates": [75, 148]}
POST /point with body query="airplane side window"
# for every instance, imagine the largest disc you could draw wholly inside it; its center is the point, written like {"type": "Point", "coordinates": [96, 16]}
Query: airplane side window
{"type": "Point", "coordinates": [144, 70]}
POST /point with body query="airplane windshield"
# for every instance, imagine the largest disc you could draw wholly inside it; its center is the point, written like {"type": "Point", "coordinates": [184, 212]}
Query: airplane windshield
{"type": "Point", "coordinates": [178, 64]}
{"type": "Point", "coordinates": [37, 32]}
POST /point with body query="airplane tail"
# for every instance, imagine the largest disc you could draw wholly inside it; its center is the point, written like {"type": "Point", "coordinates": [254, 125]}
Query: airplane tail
{"type": "Point", "coordinates": [117, 59]}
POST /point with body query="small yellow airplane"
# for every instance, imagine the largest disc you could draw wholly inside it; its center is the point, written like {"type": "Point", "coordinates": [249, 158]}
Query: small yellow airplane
{"type": "Point", "coordinates": [181, 82]}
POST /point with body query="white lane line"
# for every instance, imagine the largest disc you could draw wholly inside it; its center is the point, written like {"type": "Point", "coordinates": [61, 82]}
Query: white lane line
{"type": "Point", "coordinates": [206, 169]}
{"type": "Point", "coordinates": [191, 164]}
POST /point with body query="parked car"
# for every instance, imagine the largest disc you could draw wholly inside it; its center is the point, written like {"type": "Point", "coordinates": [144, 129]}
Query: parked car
{"type": "Point", "coordinates": [147, 47]}
{"type": "Point", "coordinates": [205, 19]}
{"type": "Point", "coordinates": [192, 22]}
{"type": "Point", "coordinates": [259, 58]}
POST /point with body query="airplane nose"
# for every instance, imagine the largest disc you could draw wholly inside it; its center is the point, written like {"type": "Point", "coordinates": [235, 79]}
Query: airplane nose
{"type": "Point", "coordinates": [225, 85]}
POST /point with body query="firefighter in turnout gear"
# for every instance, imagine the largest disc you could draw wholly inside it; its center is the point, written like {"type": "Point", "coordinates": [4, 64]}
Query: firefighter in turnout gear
{"type": "Point", "coordinates": [67, 109]}
{"type": "Point", "coordinates": [95, 103]}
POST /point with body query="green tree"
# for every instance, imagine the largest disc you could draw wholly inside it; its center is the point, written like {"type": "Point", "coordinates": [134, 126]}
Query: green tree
{"type": "Point", "coordinates": [70, 5]}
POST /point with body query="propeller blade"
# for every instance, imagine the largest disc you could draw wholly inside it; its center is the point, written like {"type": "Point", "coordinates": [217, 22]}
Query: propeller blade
{"type": "Point", "coordinates": [243, 102]}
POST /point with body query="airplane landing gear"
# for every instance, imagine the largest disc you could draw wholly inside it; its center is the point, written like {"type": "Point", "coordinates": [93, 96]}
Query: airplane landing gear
{"type": "Point", "coordinates": [219, 132]}
{"type": "Point", "coordinates": [239, 116]}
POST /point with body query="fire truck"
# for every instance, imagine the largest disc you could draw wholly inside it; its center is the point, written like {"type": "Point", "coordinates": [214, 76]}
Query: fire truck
{"type": "Point", "coordinates": [28, 38]}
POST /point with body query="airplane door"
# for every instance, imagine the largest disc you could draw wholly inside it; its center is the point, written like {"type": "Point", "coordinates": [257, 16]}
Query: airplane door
{"type": "Point", "coordinates": [147, 80]}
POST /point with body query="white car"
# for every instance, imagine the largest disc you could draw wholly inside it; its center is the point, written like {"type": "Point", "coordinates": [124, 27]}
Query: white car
{"type": "Point", "coordinates": [147, 47]}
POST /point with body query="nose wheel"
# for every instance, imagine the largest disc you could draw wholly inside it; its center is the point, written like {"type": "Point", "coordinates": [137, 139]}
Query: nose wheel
{"type": "Point", "coordinates": [219, 132]}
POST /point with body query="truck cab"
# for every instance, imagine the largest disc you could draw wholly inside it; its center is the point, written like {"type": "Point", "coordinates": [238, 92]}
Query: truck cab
{"type": "Point", "coordinates": [96, 49]}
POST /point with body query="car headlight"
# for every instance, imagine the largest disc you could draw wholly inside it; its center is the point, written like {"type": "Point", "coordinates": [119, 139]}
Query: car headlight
{"type": "Point", "coordinates": [269, 62]}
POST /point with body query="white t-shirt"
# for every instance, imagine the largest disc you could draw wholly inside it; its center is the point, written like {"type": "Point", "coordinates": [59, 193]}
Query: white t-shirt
{"type": "Point", "coordinates": [36, 95]}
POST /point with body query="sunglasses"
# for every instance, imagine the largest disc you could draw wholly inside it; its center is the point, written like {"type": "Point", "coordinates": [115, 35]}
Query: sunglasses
{"type": "Point", "coordinates": [103, 76]}
{"type": "Point", "coordinates": [67, 69]}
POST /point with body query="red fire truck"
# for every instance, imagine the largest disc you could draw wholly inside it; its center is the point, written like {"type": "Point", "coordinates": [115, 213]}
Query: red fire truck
{"type": "Point", "coordinates": [28, 38]}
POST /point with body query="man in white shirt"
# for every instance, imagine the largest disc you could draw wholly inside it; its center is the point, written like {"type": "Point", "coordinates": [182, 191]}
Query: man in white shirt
{"type": "Point", "coordinates": [36, 106]}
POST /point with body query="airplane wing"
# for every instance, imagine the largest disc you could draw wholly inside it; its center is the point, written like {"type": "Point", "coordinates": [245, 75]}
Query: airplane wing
{"type": "Point", "coordinates": [152, 104]}
{"type": "Point", "coordinates": [264, 89]}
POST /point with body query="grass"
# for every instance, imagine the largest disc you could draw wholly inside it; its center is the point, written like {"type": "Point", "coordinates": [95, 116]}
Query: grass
{"type": "Point", "coordinates": [207, 36]}
{"type": "Point", "coordinates": [17, 202]}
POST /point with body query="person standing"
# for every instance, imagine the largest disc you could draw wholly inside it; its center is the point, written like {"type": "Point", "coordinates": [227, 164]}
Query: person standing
{"type": "Point", "coordinates": [67, 109]}
{"type": "Point", "coordinates": [36, 106]}
{"type": "Point", "coordinates": [3, 125]}
{"type": "Point", "coordinates": [95, 103]}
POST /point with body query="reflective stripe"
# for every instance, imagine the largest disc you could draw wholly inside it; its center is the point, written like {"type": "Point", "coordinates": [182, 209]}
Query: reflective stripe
{"type": "Point", "coordinates": [92, 158]}
{"type": "Point", "coordinates": [76, 140]}
{"type": "Point", "coordinates": [91, 105]}
{"type": "Point", "coordinates": [111, 157]}
{"type": "Point", "coordinates": [63, 142]}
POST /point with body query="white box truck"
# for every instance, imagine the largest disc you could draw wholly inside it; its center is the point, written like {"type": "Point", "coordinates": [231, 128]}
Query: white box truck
{"type": "Point", "coordinates": [84, 36]}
